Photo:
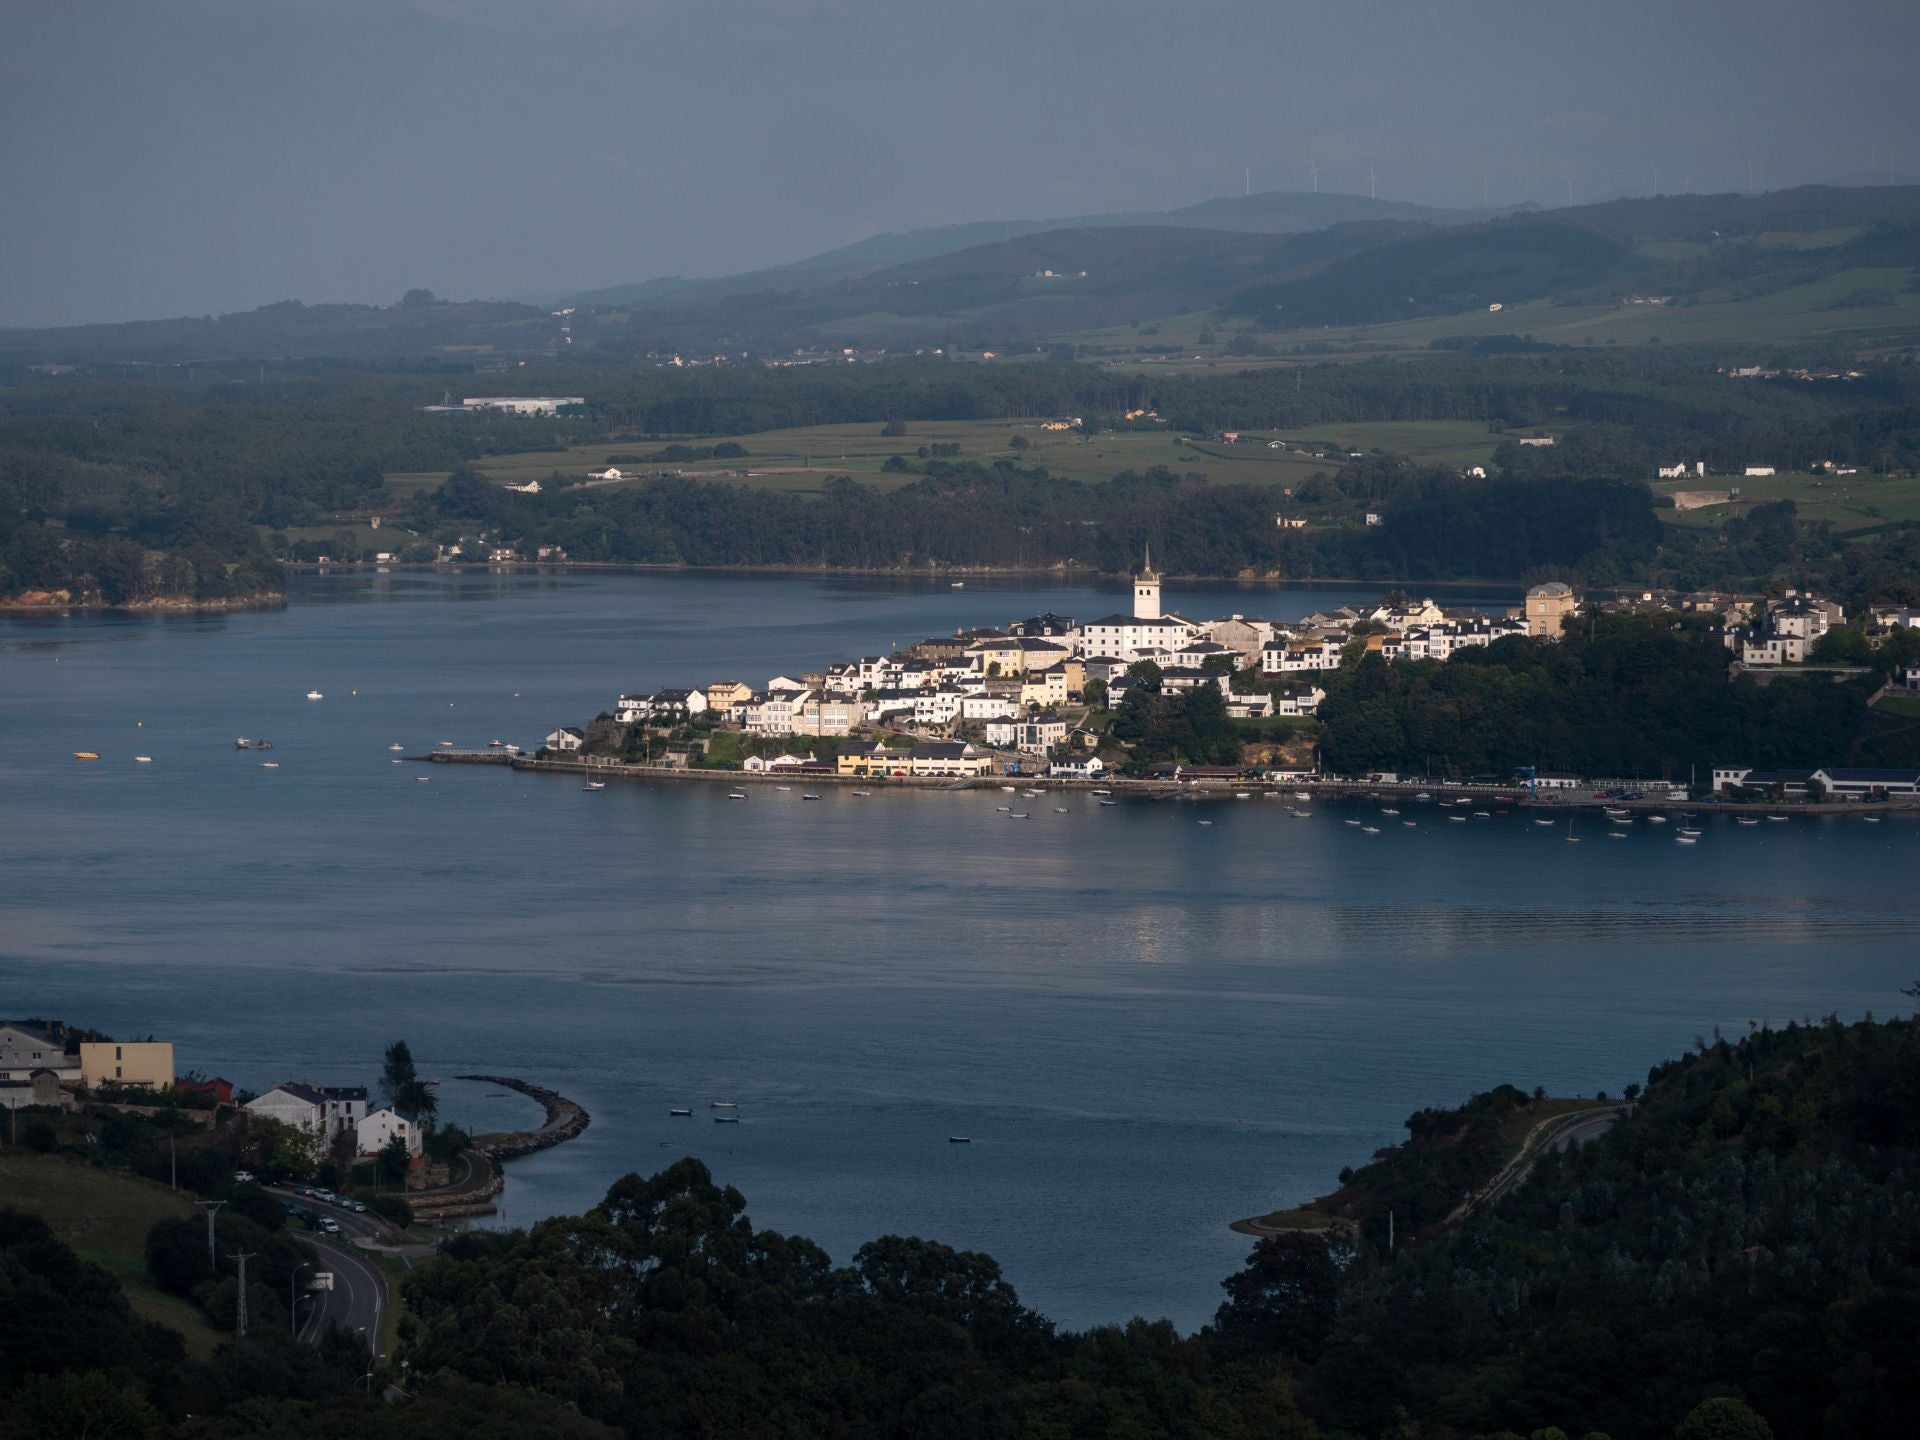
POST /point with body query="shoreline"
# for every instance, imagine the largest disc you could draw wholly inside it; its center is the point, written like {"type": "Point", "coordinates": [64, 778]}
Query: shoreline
{"type": "Point", "coordinates": [946, 574]}
{"type": "Point", "coordinates": [1505, 795]}
{"type": "Point", "coordinates": [29, 604]}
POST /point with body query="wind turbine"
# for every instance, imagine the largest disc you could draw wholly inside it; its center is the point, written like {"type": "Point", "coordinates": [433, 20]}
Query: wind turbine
{"type": "Point", "coordinates": [1315, 169]}
{"type": "Point", "coordinates": [1248, 173]}
{"type": "Point", "coordinates": [1372, 181]}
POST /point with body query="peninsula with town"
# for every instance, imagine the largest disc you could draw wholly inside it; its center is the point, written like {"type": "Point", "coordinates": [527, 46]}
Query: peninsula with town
{"type": "Point", "coordinates": [1403, 693]}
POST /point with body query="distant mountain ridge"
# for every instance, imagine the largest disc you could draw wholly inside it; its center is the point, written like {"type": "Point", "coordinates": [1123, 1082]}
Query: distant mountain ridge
{"type": "Point", "coordinates": [1274, 212]}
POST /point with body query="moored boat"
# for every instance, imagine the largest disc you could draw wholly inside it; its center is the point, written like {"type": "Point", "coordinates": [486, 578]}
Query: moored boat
{"type": "Point", "coordinates": [86, 754]}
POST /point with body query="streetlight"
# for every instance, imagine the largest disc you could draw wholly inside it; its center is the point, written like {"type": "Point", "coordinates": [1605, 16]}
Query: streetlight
{"type": "Point", "coordinates": [293, 1305]}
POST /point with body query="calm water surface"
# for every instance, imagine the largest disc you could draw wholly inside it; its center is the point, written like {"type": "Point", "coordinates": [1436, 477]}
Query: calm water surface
{"type": "Point", "coordinates": [1149, 1027]}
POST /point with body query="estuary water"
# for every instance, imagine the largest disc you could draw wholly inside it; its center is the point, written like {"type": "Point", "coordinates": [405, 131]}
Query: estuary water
{"type": "Point", "coordinates": [1148, 1027]}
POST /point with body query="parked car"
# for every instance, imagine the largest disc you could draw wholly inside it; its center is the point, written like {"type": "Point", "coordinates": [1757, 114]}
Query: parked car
{"type": "Point", "coordinates": [358, 1207]}
{"type": "Point", "coordinates": [330, 1225]}
{"type": "Point", "coordinates": [242, 1177]}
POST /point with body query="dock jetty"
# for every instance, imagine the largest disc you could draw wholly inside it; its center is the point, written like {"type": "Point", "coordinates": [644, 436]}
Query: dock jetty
{"type": "Point", "coordinates": [487, 1154]}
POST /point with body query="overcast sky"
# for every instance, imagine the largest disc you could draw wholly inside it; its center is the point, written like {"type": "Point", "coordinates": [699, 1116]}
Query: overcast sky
{"type": "Point", "coordinates": [163, 157]}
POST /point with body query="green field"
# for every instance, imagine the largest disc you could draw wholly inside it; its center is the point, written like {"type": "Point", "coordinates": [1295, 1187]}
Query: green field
{"type": "Point", "coordinates": [105, 1217]}
{"type": "Point", "coordinates": [1851, 503]}
{"type": "Point", "coordinates": [800, 459]}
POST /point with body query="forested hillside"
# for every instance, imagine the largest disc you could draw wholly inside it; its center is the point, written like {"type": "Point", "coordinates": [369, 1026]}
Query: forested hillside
{"type": "Point", "coordinates": [1739, 1257]}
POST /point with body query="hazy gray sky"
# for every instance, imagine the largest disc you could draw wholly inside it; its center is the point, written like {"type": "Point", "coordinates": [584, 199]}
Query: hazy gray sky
{"type": "Point", "coordinates": [162, 157]}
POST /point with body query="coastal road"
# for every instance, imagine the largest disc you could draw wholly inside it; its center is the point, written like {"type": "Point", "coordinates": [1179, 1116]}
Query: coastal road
{"type": "Point", "coordinates": [357, 1300]}
{"type": "Point", "coordinates": [1586, 1126]}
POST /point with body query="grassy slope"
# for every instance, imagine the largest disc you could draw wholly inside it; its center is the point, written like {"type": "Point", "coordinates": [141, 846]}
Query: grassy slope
{"type": "Point", "coordinates": [801, 459]}
{"type": "Point", "coordinates": [1845, 500]}
{"type": "Point", "coordinates": [105, 1217]}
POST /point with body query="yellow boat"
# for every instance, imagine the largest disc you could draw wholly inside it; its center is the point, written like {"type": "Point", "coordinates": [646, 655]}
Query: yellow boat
{"type": "Point", "coordinates": [86, 754]}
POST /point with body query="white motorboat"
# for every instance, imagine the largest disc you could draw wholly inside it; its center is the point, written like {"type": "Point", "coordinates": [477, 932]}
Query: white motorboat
{"type": "Point", "coordinates": [736, 795]}
{"type": "Point", "coordinates": [1369, 829]}
{"type": "Point", "coordinates": [685, 1112]}
{"type": "Point", "coordinates": [396, 746]}
{"type": "Point", "coordinates": [143, 759]}
{"type": "Point", "coordinates": [1109, 802]}
{"type": "Point", "coordinates": [809, 796]}
{"type": "Point", "coordinates": [1203, 822]}
{"type": "Point", "coordinates": [594, 785]}
{"type": "Point", "coordinates": [315, 695]}
{"type": "Point", "coordinates": [269, 764]}
{"type": "Point", "coordinates": [1686, 839]}
{"type": "Point", "coordinates": [723, 1105]}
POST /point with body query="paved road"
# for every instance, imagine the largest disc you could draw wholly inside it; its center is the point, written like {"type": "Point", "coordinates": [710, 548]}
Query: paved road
{"type": "Point", "coordinates": [1587, 1127]}
{"type": "Point", "coordinates": [357, 1300]}
{"type": "Point", "coordinates": [359, 1295]}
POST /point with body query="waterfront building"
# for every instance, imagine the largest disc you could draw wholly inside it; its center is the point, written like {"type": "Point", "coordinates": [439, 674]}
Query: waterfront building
{"type": "Point", "coordinates": [329, 1109]}
{"type": "Point", "coordinates": [375, 1131]}
{"type": "Point", "coordinates": [145, 1064]}
{"type": "Point", "coordinates": [27, 1048]}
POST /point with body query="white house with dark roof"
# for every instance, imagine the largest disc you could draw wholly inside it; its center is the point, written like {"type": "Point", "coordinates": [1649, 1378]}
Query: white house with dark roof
{"type": "Point", "coordinates": [329, 1109]}
{"type": "Point", "coordinates": [27, 1048]}
{"type": "Point", "coordinates": [566, 738]}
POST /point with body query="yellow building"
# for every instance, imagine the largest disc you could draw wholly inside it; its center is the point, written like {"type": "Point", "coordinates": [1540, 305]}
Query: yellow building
{"type": "Point", "coordinates": [723, 693]}
{"type": "Point", "coordinates": [147, 1064]}
{"type": "Point", "coordinates": [1549, 607]}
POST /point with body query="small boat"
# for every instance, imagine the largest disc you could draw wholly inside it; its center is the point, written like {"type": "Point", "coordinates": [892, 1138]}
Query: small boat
{"type": "Point", "coordinates": [736, 795]}
{"type": "Point", "coordinates": [1423, 795]}
{"type": "Point", "coordinates": [1687, 834]}
{"type": "Point", "coordinates": [783, 787]}
{"type": "Point", "coordinates": [446, 744]}
{"type": "Point", "coordinates": [424, 779]}
{"type": "Point", "coordinates": [1617, 835]}
{"type": "Point", "coordinates": [1029, 794]}
{"type": "Point", "coordinates": [1686, 839]}
{"type": "Point", "coordinates": [269, 764]}
{"type": "Point", "coordinates": [726, 1119]}
{"type": "Point", "coordinates": [496, 744]}
{"type": "Point", "coordinates": [684, 1111]}
{"type": "Point", "coordinates": [1745, 820]}
{"type": "Point", "coordinates": [1203, 822]}
{"type": "Point", "coordinates": [1543, 822]}
{"type": "Point", "coordinates": [862, 794]}
{"type": "Point", "coordinates": [960, 1139]}
{"type": "Point", "coordinates": [1410, 824]}
{"type": "Point", "coordinates": [1007, 789]}
{"type": "Point", "coordinates": [1458, 819]}
{"type": "Point", "coordinates": [956, 584]}
{"type": "Point", "coordinates": [396, 760]}
{"type": "Point", "coordinates": [1004, 809]}
{"type": "Point", "coordinates": [1369, 829]}
{"type": "Point", "coordinates": [1059, 809]}
{"type": "Point", "coordinates": [1656, 819]}
{"type": "Point", "coordinates": [1243, 795]}
{"type": "Point", "coordinates": [1482, 815]}
{"type": "Point", "coordinates": [809, 796]}
{"type": "Point", "coordinates": [315, 695]}
{"type": "Point", "coordinates": [513, 749]}
{"type": "Point", "coordinates": [1352, 822]}
{"type": "Point", "coordinates": [594, 785]}
{"type": "Point", "coordinates": [1299, 814]}
{"type": "Point", "coordinates": [1103, 792]}
{"type": "Point", "coordinates": [1301, 795]}
{"type": "Point", "coordinates": [1022, 815]}
{"type": "Point", "coordinates": [143, 759]}
{"type": "Point", "coordinates": [1388, 810]}
{"type": "Point", "coordinates": [1871, 819]}
{"type": "Point", "coordinates": [723, 1105]}
{"type": "Point", "coordinates": [86, 754]}
{"type": "Point", "coordinates": [396, 746]}
{"type": "Point", "coordinates": [1780, 818]}
{"type": "Point", "coordinates": [1109, 802]}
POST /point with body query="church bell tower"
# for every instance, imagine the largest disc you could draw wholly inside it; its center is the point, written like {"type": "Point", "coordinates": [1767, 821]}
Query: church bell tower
{"type": "Point", "coordinates": [1146, 591]}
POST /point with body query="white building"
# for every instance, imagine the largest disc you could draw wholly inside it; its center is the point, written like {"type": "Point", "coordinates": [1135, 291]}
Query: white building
{"type": "Point", "coordinates": [1077, 767]}
{"type": "Point", "coordinates": [567, 738]}
{"type": "Point", "coordinates": [328, 1109]}
{"type": "Point", "coordinates": [1034, 735]}
{"type": "Point", "coordinates": [27, 1048]}
{"type": "Point", "coordinates": [376, 1130]}
{"type": "Point", "coordinates": [521, 404]}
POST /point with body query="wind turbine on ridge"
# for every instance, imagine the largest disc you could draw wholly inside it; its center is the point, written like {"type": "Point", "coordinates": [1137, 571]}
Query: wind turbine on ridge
{"type": "Point", "coordinates": [1373, 180]}
{"type": "Point", "coordinates": [1315, 169]}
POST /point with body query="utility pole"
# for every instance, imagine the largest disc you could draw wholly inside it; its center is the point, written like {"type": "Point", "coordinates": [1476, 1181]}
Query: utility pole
{"type": "Point", "coordinates": [213, 1255]}
{"type": "Point", "coordinates": [240, 1297]}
